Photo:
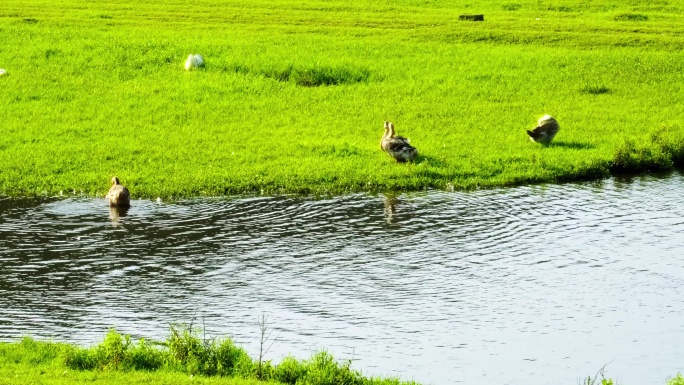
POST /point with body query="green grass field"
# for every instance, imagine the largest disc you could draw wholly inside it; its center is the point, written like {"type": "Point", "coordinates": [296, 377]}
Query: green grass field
{"type": "Point", "coordinates": [294, 93]}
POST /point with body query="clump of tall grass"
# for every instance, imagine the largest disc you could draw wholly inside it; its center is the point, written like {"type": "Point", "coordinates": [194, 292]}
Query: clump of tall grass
{"type": "Point", "coordinates": [511, 6]}
{"type": "Point", "coordinates": [31, 352]}
{"type": "Point", "coordinates": [185, 351]}
{"type": "Point", "coordinates": [117, 352]}
{"type": "Point", "coordinates": [209, 357]}
{"type": "Point", "coordinates": [662, 150]}
{"type": "Point", "coordinates": [328, 76]}
{"type": "Point", "coordinates": [560, 8]}
{"type": "Point", "coordinates": [631, 17]}
{"type": "Point", "coordinates": [595, 89]}
{"type": "Point", "coordinates": [314, 76]}
{"type": "Point", "coordinates": [678, 380]}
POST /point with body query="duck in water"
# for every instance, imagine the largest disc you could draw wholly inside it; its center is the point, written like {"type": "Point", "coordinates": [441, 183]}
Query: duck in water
{"type": "Point", "coordinates": [546, 130]}
{"type": "Point", "coordinates": [118, 195]}
{"type": "Point", "coordinates": [397, 146]}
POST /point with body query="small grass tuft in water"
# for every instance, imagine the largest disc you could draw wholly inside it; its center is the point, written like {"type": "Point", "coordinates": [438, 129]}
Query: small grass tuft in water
{"type": "Point", "coordinates": [604, 381]}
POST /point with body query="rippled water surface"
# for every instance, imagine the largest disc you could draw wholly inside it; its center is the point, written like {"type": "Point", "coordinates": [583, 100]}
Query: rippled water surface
{"type": "Point", "coordinates": [528, 285]}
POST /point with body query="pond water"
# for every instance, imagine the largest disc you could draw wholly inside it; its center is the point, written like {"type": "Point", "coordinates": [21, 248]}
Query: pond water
{"type": "Point", "coordinates": [529, 285]}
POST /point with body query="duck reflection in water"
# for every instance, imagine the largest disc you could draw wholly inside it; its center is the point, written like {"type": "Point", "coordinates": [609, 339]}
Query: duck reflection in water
{"type": "Point", "coordinates": [116, 213]}
{"type": "Point", "coordinates": [391, 201]}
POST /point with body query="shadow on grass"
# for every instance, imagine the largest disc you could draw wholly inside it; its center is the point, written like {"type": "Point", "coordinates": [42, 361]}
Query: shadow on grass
{"type": "Point", "coordinates": [572, 145]}
{"type": "Point", "coordinates": [430, 160]}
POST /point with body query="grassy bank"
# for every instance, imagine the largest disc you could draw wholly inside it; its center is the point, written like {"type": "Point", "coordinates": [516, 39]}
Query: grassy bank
{"type": "Point", "coordinates": [182, 359]}
{"type": "Point", "coordinates": [294, 95]}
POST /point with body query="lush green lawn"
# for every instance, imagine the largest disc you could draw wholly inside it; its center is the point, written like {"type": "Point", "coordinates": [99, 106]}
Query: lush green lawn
{"type": "Point", "coordinates": [23, 374]}
{"type": "Point", "coordinates": [295, 93]}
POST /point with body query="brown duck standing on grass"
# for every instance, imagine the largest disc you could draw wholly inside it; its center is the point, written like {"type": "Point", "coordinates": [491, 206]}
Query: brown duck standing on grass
{"type": "Point", "coordinates": [546, 130]}
{"type": "Point", "coordinates": [397, 146]}
{"type": "Point", "coordinates": [118, 195]}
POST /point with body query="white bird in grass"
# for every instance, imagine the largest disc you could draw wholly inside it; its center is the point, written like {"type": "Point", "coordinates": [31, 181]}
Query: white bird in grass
{"type": "Point", "coordinates": [194, 62]}
{"type": "Point", "coordinates": [3, 72]}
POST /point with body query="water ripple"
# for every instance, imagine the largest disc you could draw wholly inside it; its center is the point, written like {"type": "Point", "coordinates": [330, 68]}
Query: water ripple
{"type": "Point", "coordinates": [528, 285]}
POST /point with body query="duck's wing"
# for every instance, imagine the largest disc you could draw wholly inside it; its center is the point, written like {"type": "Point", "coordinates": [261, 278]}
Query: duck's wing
{"type": "Point", "coordinates": [545, 129]}
{"type": "Point", "coordinates": [543, 133]}
{"type": "Point", "coordinates": [402, 151]}
{"type": "Point", "coordinates": [398, 143]}
{"type": "Point", "coordinates": [536, 131]}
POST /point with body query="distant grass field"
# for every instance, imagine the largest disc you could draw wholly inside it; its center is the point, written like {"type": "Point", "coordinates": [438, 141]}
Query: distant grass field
{"type": "Point", "coordinates": [294, 93]}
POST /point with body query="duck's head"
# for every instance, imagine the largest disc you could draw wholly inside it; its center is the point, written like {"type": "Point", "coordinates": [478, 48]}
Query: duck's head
{"type": "Point", "coordinates": [386, 128]}
{"type": "Point", "coordinates": [115, 181]}
{"type": "Point", "coordinates": [391, 130]}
